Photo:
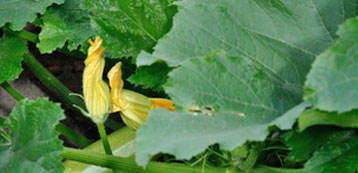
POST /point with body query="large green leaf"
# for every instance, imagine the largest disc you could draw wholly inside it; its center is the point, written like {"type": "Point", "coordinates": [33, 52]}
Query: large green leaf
{"type": "Point", "coordinates": [281, 36]}
{"type": "Point", "coordinates": [64, 22]}
{"type": "Point", "coordinates": [18, 13]}
{"type": "Point", "coordinates": [129, 26]}
{"type": "Point", "coordinates": [302, 144]}
{"type": "Point", "coordinates": [220, 99]}
{"type": "Point", "coordinates": [340, 154]}
{"type": "Point", "coordinates": [235, 98]}
{"type": "Point", "coordinates": [11, 51]}
{"type": "Point", "coordinates": [332, 83]}
{"type": "Point", "coordinates": [316, 117]}
{"type": "Point", "coordinates": [35, 145]}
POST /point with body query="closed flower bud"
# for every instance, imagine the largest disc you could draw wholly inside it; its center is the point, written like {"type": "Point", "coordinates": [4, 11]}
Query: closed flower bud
{"type": "Point", "coordinates": [95, 91]}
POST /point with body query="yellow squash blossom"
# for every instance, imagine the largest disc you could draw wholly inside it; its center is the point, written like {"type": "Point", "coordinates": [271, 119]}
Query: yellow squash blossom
{"type": "Point", "coordinates": [100, 101]}
{"type": "Point", "coordinates": [95, 91]}
{"type": "Point", "coordinates": [134, 107]}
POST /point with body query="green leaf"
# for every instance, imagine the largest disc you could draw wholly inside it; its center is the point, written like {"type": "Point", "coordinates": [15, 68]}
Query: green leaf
{"type": "Point", "coordinates": [153, 76]}
{"type": "Point", "coordinates": [11, 51]}
{"type": "Point", "coordinates": [332, 82]}
{"type": "Point", "coordinates": [64, 22]}
{"type": "Point", "coordinates": [18, 13]}
{"type": "Point", "coordinates": [220, 99]}
{"type": "Point", "coordinates": [35, 145]}
{"type": "Point", "coordinates": [340, 154]}
{"type": "Point", "coordinates": [302, 144]}
{"type": "Point", "coordinates": [129, 26]}
{"type": "Point", "coordinates": [281, 36]}
{"type": "Point", "coordinates": [316, 117]}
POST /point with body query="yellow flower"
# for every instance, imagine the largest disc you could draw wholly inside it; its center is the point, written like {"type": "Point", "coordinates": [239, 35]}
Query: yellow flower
{"type": "Point", "coordinates": [95, 91]}
{"type": "Point", "coordinates": [134, 107]}
{"type": "Point", "coordinates": [100, 101]}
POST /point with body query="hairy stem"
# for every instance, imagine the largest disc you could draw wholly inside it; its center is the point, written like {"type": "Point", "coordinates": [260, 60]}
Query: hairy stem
{"type": "Point", "coordinates": [129, 165]}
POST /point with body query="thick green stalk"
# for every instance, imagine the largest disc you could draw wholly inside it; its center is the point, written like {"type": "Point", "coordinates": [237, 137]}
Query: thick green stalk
{"type": "Point", "coordinates": [23, 34]}
{"type": "Point", "coordinates": [72, 135]}
{"type": "Point", "coordinates": [103, 134]}
{"type": "Point", "coordinates": [12, 91]}
{"type": "Point", "coordinates": [61, 128]}
{"type": "Point", "coordinates": [129, 165]}
{"type": "Point", "coordinates": [60, 90]}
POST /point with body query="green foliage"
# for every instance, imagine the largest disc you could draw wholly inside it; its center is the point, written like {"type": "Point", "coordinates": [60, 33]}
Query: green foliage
{"type": "Point", "coordinates": [11, 51]}
{"type": "Point", "coordinates": [332, 82]}
{"type": "Point", "coordinates": [339, 154]}
{"type": "Point", "coordinates": [129, 26]}
{"type": "Point", "coordinates": [302, 144]}
{"type": "Point", "coordinates": [64, 22]}
{"type": "Point", "coordinates": [153, 76]}
{"type": "Point", "coordinates": [35, 145]}
{"type": "Point", "coordinates": [244, 157]}
{"type": "Point", "coordinates": [18, 13]}
{"type": "Point", "coordinates": [227, 112]}
{"type": "Point", "coordinates": [280, 36]}
{"type": "Point", "coordinates": [317, 117]}
{"type": "Point", "coordinates": [240, 73]}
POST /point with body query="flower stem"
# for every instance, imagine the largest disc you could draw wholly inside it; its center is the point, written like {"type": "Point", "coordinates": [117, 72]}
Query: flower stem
{"type": "Point", "coordinates": [103, 134]}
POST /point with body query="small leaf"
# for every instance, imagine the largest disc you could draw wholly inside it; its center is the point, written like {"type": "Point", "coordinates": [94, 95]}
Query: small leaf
{"type": "Point", "coordinates": [12, 50]}
{"type": "Point", "coordinates": [35, 145]}
{"type": "Point", "coordinates": [129, 26]}
{"type": "Point", "coordinates": [340, 154]}
{"type": "Point", "coordinates": [316, 117]}
{"type": "Point", "coordinates": [64, 22]}
{"type": "Point", "coordinates": [332, 83]}
{"type": "Point", "coordinates": [18, 13]}
{"type": "Point", "coordinates": [302, 144]}
{"type": "Point", "coordinates": [153, 76]}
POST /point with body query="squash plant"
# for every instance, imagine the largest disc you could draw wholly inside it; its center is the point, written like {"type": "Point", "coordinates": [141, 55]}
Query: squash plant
{"type": "Point", "coordinates": [257, 86]}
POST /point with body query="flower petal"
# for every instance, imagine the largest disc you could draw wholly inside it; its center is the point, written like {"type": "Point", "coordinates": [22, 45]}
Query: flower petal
{"type": "Point", "coordinates": [162, 103]}
{"type": "Point", "coordinates": [116, 84]}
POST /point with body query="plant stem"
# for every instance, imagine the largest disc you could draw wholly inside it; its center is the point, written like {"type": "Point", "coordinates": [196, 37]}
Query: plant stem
{"type": "Point", "coordinates": [61, 128]}
{"type": "Point", "coordinates": [29, 36]}
{"type": "Point", "coordinates": [12, 91]}
{"type": "Point", "coordinates": [129, 165]}
{"type": "Point", "coordinates": [103, 134]}
{"type": "Point", "coordinates": [23, 34]}
{"type": "Point", "coordinates": [60, 90]}
{"type": "Point", "coordinates": [72, 135]}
